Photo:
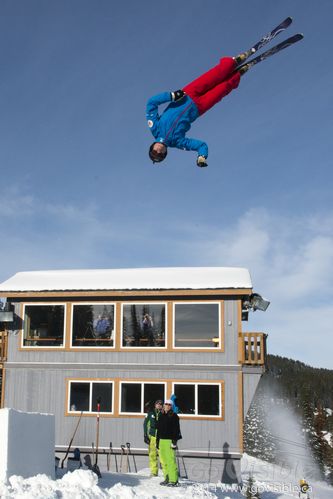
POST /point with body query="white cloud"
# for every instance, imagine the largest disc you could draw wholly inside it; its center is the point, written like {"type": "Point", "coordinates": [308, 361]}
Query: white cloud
{"type": "Point", "coordinates": [291, 263]}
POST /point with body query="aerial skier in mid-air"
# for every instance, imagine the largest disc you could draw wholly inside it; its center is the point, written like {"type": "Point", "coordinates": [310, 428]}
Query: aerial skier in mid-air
{"type": "Point", "coordinates": [187, 104]}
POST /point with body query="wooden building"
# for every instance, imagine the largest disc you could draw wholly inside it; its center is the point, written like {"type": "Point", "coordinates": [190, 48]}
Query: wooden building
{"type": "Point", "coordinates": [131, 336]}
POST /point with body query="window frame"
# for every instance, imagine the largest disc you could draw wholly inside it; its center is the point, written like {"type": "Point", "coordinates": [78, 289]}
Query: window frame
{"type": "Point", "coordinates": [220, 384]}
{"type": "Point", "coordinates": [213, 348]}
{"type": "Point", "coordinates": [47, 347]}
{"type": "Point", "coordinates": [69, 412]}
{"type": "Point", "coordinates": [143, 348]}
{"type": "Point", "coordinates": [142, 383]}
{"type": "Point", "coordinates": [92, 347]}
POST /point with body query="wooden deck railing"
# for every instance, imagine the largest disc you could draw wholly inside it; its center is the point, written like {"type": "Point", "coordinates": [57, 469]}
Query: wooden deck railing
{"type": "Point", "coordinates": [252, 348]}
{"type": "Point", "coordinates": [3, 346]}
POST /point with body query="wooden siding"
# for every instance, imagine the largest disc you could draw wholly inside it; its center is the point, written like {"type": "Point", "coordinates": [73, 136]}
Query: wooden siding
{"type": "Point", "coordinates": [3, 346]}
{"type": "Point", "coordinates": [44, 390]}
{"type": "Point", "coordinates": [251, 378]}
{"type": "Point", "coordinates": [226, 355]}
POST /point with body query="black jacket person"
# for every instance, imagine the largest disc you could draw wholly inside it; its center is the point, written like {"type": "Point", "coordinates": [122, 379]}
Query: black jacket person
{"type": "Point", "coordinates": [168, 432]}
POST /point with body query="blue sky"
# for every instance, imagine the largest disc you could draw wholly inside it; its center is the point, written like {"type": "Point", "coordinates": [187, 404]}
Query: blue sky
{"type": "Point", "coordinates": [77, 188]}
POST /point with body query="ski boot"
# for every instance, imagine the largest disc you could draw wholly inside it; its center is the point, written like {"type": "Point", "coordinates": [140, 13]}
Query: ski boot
{"type": "Point", "coordinates": [243, 69]}
{"type": "Point", "coordinates": [243, 56]}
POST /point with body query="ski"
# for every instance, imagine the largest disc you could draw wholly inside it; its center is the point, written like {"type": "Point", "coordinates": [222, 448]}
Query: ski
{"type": "Point", "coordinates": [274, 50]}
{"type": "Point", "coordinates": [272, 34]}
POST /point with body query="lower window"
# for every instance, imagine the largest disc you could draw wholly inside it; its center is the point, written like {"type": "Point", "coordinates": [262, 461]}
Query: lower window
{"type": "Point", "coordinates": [137, 397]}
{"type": "Point", "coordinates": [85, 396]}
{"type": "Point", "coordinates": [198, 399]}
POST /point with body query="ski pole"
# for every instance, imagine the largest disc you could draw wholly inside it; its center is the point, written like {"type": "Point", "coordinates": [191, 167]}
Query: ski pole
{"type": "Point", "coordinates": [71, 441]}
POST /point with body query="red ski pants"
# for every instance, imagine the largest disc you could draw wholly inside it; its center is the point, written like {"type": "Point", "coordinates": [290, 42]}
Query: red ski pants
{"type": "Point", "coordinates": [212, 86]}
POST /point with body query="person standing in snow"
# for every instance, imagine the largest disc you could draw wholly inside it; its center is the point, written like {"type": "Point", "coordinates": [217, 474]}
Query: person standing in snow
{"type": "Point", "coordinates": [168, 433]}
{"type": "Point", "coordinates": [187, 104]}
{"type": "Point", "coordinates": [149, 430]}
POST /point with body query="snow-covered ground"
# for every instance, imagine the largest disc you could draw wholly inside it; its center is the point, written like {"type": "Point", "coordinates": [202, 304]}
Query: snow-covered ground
{"type": "Point", "coordinates": [274, 482]}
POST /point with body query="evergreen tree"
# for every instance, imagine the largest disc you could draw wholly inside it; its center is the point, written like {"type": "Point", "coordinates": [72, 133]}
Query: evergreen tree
{"type": "Point", "coordinates": [308, 392]}
{"type": "Point", "coordinates": [251, 489]}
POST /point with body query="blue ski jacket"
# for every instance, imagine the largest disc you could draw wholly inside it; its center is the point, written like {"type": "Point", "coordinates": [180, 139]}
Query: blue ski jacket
{"type": "Point", "coordinates": [171, 126]}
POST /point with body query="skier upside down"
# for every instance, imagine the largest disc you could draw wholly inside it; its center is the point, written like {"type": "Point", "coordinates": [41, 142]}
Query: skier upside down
{"type": "Point", "coordinates": [187, 105]}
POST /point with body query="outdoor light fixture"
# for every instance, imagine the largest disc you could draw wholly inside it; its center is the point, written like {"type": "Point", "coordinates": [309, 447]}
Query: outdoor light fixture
{"type": "Point", "coordinates": [255, 302]}
{"type": "Point", "coordinates": [6, 312]}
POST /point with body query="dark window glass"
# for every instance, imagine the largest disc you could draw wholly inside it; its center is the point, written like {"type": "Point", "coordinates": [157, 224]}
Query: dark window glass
{"type": "Point", "coordinates": [131, 397]}
{"type": "Point", "coordinates": [79, 396]}
{"type": "Point", "coordinates": [143, 325]}
{"type": "Point", "coordinates": [93, 325]}
{"type": "Point", "coordinates": [153, 392]}
{"type": "Point", "coordinates": [102, 391]}
{"type": "Point", "coordinates": [197, 325]}
{"type": "Point", "coordinates": [44, 325]}
{"type": "Point", "coordinates": [208, 400]}
{"type": "Point", "coordinates": [185, 398]}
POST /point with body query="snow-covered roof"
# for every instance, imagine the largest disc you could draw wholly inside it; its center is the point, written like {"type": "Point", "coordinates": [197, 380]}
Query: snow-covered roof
{"type": "Point", "coordinates": [130, 279]}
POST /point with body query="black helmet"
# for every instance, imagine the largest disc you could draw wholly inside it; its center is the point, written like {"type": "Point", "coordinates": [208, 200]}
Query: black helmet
{"type": "Point", "coordinates": [155, 156]}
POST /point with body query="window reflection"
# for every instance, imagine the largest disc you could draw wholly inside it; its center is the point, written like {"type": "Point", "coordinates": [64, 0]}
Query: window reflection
{"type": "Point", "coordinates": [208, 400]}
{"type": "Point", "coordinates": [135, 397]}
{"type": "Point", "coordinates": [44, 325]}
{"type": "Point", "coordinates": [197, 325]}
{"type": "Point", "coordinates": [198, 399]}
{"type": "Point", "coordinates": [84, 396]}
{"type": "Point", "coordinates": [185, 398]}
{"type": "Point", "coordinates": [143, 325]}
{"type": "Point", "coordinates": [93, 325]}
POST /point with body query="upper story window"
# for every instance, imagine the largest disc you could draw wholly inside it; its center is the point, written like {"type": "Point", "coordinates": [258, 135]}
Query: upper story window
{"type": "Point", "coordinates": [93, 325]}
{"type": "Point", "coordinates": [143, 325]}
{"type": "Point", "coordinates": [199, 399]}
{"type": "Point", "coordinates": [197, 325]}
{"type": "Point", "coordinates": [85, 395]}
{"type": "Point", "coordinates": [44, 325]}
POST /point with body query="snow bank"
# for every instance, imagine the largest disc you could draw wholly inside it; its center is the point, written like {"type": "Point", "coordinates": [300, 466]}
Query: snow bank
{"type": "Point", "coordinates": [83, 484]}
{"type": "Point", "coordinates": [274, 482]}
{"type": "Point", "coordinates": [27, 442]}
